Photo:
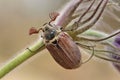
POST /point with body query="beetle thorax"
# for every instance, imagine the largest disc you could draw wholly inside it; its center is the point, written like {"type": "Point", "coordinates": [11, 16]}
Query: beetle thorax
{"type": "Point", "coordinates": [49, 32]}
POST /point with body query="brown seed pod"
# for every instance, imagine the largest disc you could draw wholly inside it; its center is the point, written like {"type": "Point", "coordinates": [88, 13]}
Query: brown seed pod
{"type": "Point", "coordinates": [65, 51]}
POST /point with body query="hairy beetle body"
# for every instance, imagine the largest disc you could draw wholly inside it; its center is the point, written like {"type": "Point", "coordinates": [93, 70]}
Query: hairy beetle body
{"type": "Point", "coordinates": [60, 45]}
{"type": "Point", "coordinates": [65, 51]}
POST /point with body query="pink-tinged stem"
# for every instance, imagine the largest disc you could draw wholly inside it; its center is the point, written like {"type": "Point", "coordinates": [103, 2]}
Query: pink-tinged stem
{"type": "Point", "coordinates": [66, 13]}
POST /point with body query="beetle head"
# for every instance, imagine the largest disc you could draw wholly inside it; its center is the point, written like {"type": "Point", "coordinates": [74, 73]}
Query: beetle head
{"type": "Point", "coordinates": [49, 32]}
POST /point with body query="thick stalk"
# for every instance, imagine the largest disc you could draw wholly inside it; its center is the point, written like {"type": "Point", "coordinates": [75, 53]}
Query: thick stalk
{"type": "Point", "coordinates": [21, 57]}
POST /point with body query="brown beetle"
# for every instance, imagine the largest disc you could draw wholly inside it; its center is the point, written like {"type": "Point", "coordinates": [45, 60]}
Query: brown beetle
{"type": "Point", "coordinates": [65, 51]}
{"type": "Point", "coordinates": [60, 45]}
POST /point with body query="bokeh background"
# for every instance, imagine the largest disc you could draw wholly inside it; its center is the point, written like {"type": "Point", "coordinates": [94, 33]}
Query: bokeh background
{"type": "Point", "coordinates": [18, 16]}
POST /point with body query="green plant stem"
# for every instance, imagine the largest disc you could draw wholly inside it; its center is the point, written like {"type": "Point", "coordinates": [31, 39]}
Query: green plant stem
{"type": "Point", "coordinates": [37, 47]}
{"type": "Point", "coordinates": [95, 33]}
{"type": "Point", "coordinates": [20, 58]}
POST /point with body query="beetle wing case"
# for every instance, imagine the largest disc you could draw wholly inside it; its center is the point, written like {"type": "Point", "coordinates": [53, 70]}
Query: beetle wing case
{"type": "Point", "coordinates": [65, 52]}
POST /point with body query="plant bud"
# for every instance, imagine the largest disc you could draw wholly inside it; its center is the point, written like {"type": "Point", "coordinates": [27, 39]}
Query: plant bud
{"type": "Point", "coordinates": [114, 56]}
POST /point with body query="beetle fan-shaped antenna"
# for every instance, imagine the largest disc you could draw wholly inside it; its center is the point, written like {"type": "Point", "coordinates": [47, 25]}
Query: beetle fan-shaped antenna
{"type": "Point", "coordinates": [33, 30]}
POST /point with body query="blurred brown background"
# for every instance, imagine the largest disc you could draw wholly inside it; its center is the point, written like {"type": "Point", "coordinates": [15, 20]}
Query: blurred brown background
{"type": "Point", "coordinates": [18, 16]}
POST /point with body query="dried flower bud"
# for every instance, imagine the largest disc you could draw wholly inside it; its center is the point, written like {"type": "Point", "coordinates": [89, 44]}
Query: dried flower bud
{"type": "Point", "coordinates": [117, 41]}
{"type": "Point", "coordinates": [65, 51]}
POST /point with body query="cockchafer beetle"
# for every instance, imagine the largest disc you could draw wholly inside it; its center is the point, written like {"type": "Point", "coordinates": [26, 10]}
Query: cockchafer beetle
{"type": "Point", "coordinates": [60, 45]}
{"type": "Point", "coordinates": [62, 48]}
